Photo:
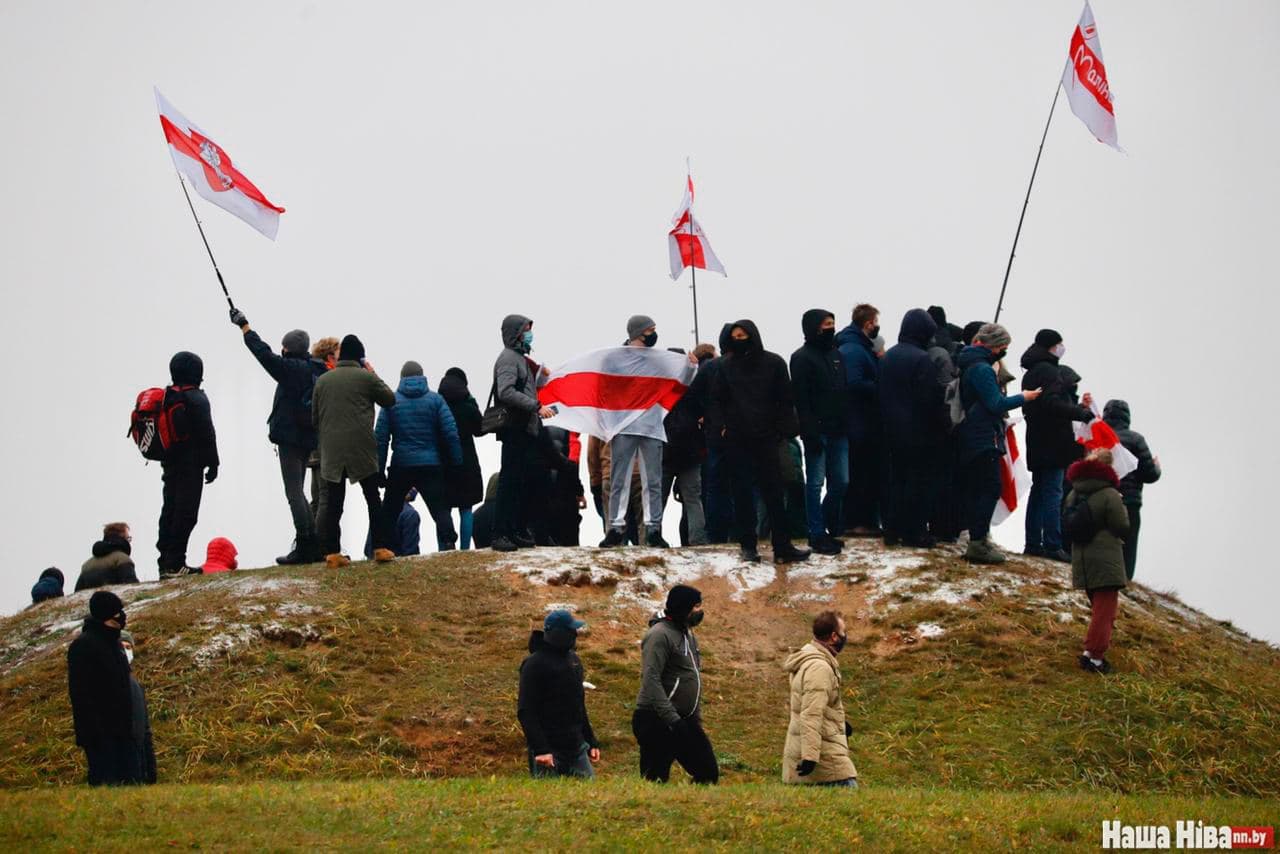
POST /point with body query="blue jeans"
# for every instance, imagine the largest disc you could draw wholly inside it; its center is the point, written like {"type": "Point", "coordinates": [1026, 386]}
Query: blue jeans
{"type": "Point", "coordinates": [825, 458]}
{"type": "Point", "coordinates": [466, 522]}
{"type": "Point", "coordinates": [567, 765]}
{"type": "Point", "coordinates": [717, 498]}
{"type": "Point", "coordinates": [1044, 510]}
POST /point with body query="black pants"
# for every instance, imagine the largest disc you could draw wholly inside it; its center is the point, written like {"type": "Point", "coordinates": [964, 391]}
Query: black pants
{"type": "Point", "coordinates": [331, 510]}
{"type": "Point", "coordinates": [183, 488]}
{"type": "Point", "coordinates": [911, 487]}
{"type": "Point", "coordinates": [947, 518]}
{"type": "Point", "coordinates": [755, 463]}
{"type": "Point", "coordinates": [293, 473]}
{"type": "Point", "coordinates": [114, 762]}
{"type": "Point", "coordinates": [659, 747]}
{"type": "Point", "coordinates": [429, 481]}
{"type": "Point", "coordinates": [1131, 541]}
{"type": "Point", "coordinates": [515, 458]}
{"type": "Point", "coordinates": [980, 483]}
{"type": "Point", "coordinates": [868, 478]}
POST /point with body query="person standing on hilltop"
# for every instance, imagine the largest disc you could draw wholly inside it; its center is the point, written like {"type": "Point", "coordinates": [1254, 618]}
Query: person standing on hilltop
{"type": "Point", "coordinates": [1116, 414]}
{"type": "Point", "coordinates": [1097, 522]}
{"type": "Point", "coordinates": [552, 705]}
{"type": "Point", "coordinates": [667, 721]}
{"type": "Point", "coordinates": [818, 380]}
{"type": "Point", "coordinates": [515, 389]}
{"type": "Point", "coordinates": [98, 680]}
{"type": "Point", "coordinates": [464, 484]}
{"type": "Point", "coordinates": [817, 746]}
{"type": "Point", "coordinates": [865, 505]}
{"type": "Point", "coordinates": [187, 468]}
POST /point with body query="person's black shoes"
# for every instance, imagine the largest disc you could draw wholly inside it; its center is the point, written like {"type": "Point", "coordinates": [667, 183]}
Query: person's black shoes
{"type": "Point", "coordinates": [928, 541]}
{"type": "Point", "coordinates": [302, 552]}
{"type": "Point", "coordinates": [790, 554]}
{"type": "Point", "coordinates": [824, 546]}
{"type": "Point", "coordinates": [1033, 551]}
{"type": "Point", "coordinates": [523, 541]}
{"type": "Point", "coordinates": [1060, 555]}
{"type": "Point", "coordinates": [1087, 665]}
{"type": "Point", "coordinates": [748, 554]}
{"type": "Point", "coordinates": [655, 540]}
{"type": "Point", "coordinates": [502, 544]}
{"type": "Point", "coordinates": [180, 571]}
{"type": "Point", "coordinates": [613, 539]}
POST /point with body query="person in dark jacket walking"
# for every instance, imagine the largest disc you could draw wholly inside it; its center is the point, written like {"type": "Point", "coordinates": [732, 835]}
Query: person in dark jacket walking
{"type": "Point", "coordinates": [48, 586]}
{"type": "Point", "coordinates": [188, 467]}
{"type": "Point", "coordinates": [818, 378]}
{"type": "Point", "coordinates": [111, 562]}
{"type": "Point", "coordinates": [515, 388]}
{"type": "Point", "coordinates": [1051, 441]}
{"type": "Point", "coordinates": [289, 426]}
{"type": "Point", "coordinates": [1097, 564]}
{"type": "Point", "coordinates": [667, 721]}
{"type": "Point", "coordinates": [1117, 416]}
{"type": "Point", "coordinates": [140, 728]}
{"type": "Point", "coordinates": [753, 411]}
{"type": "Point", "coordinates": [915, 428]}
{"type": "Point", "coordinates": [552, 706]}
{"type": "Point", "coordinates": [868, 468]}
{"type": "Point", "coordinates": [980, 438]}
{"type": "Point", "coordinates": [101, 696]}
{"type": "Point", "coordinates": [464, 484]}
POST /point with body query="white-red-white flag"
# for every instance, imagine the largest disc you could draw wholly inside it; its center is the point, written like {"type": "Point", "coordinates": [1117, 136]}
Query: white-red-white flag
{"type": "Point", "coordinates": [617, 390]}
{"type": "Point", "coordinates": [1098, 434]}
{"type": "Point", "coordinates": [209, 169]}
{"type": "Point", "coordinates": [1015, 480]}
{"type": "Point", "coordinates": [1085, 80]}
{"type": "Point", "coordinates": [687, 242]}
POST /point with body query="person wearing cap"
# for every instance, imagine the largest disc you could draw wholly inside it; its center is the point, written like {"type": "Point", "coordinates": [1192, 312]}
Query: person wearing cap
{"type": "Point", "coordinates": [342, 412]}
{"type": "Point", "coordinates": [667, 721]}
{"type": "Point", "coordinates": [552, 706]}
{"type": "Point", "coordinates": [188, 466]}
{"type": "Point", "coordinates": [980, 437]}
{"type": "Point", "coordinates": [1051, 441]}
{"type": "Point", "coordinates": [421, 437]}
{"type": "Point", "coordinates": [140, 729]}
{"type": "Point", "coordinates": [289, 425]}
{"type": "Point", "coordinates": [101, 697]}
{"type": "Point", "coordinates": [220, 556]}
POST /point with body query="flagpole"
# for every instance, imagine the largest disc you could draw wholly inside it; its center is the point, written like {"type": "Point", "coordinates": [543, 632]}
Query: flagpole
{"type": "Point", "coordinates": [693, 271]}
{"type": "Point", "coordinates": [206, 242]}
{"type": "Point", "coordinates": [1013, 251]}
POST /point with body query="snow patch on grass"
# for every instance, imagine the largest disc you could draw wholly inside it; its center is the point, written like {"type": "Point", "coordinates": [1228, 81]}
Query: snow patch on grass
{"type": "Point", "coordinates": [930, 630]}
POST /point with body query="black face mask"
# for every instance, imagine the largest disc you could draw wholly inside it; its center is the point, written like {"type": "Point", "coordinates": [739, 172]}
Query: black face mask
{"type": "Point", "coordinates": [121, 618]}
{"type": "Point", "coordinates": [841, 640]}
{"type": "Point", "coordinates": [999, 356]}
{"type": "Point", "coordinates": [826, 338]}
{"type": "Point", "coordinates": [739, 345]}
{"type": "Point", "coordinates": [650, 339]}
{"type": "Point", "coordinates": [694, 618]}
{"type": "Point", "coordinates": [874, 333]}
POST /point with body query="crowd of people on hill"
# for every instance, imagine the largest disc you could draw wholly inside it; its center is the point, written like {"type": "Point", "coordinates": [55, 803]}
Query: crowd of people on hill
{"type": "Point", "coordinates": [845, 438]}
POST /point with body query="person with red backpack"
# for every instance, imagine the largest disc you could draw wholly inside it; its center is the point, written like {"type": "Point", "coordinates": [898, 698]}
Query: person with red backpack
{"type": "Point", "coordinates": [190, 462]}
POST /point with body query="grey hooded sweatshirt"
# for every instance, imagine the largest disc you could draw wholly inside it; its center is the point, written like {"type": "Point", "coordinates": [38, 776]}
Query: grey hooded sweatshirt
{"type": "Point", "coordinates": [670, 681]}
{"type": "Point", "coordinates": [514, 385]}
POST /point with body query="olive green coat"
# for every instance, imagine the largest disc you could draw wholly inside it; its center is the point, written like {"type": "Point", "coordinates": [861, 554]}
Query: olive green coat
{"type": "Point", "coordinates": [1100, 562]}
{"type": "Point", "coordinates": [342, 411]}
{"type": "Point", "coordinates": [816, 730]}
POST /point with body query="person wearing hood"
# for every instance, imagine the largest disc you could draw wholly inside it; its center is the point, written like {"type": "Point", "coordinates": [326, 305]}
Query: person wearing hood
{"type": "Point", "coordinates": [463, 484]}
{"type": "Point", "coordinates": [552, 704]}
{"type": "Point", "coordinates": [667, 721]}
{"type": "Point", "coordinates": [753, 411]}
{"type": "Point", "coordinates": [717, 494]}
{"type": "Point", "coordinates": [111, 562]}
{"type": "Point", "coordinates": [48, 586]}
{"type": "Point", "coordinates": [423, 439]}
{"type": "Point", "coordinates": [818, 380]}
{"type": "Point", "coordinates": [1051, 441]}
{"type": "Point", "coordinates": [220, 556]}
{"type": "Point", "coordinates": [101, 697]}
{"type": "Point", "coordinates": [916, 428]}
{"type": "Point", "coordinates": [342, 412]}
{"type": "Point", "coordinates": [187, 468]}
{"type": "Point", "coordinates": [515, 388]}
{"type": "Point", "coordinates": [140, 729]}
{"type": "Point", "coordinates": [1118, 417]}
{"type": "Point", "coordinates": [816, 752]}
{"type": "Point", "coordinates": [1097, 558]}
{"type": "Point", "coordinates": [980, 437]}
{"type": "Point", "coordinates": [289, 426]}
{"type": "Point", "coordinates": [868, 471]}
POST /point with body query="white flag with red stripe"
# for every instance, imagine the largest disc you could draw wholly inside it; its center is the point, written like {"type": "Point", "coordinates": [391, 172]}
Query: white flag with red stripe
{"type": "Point", "coordinates": [618, 390]}
{"type": "Point", "coordinates": [1098, 434]}
{"type": "Point", "coordinates": [209, 169]}
{"type": "Point", "coordinates": [1015, 480]}
{"type": "Point", "coordinates": [687, 242]}
{"type": "Point", "coordinates": [1085, 81]}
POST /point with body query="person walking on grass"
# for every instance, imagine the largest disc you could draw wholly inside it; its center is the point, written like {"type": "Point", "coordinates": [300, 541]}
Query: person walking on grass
{"type": "Point", "coordinates": [98, 680]}
{"type": "Point", "coordinates": [667, 721]}
{"type": "Point", "coordinates": [552, 706]}
{"type": "Point", "coordinates": [817, 747]}
{"type": "Point", "coordinates": [1097, 523]}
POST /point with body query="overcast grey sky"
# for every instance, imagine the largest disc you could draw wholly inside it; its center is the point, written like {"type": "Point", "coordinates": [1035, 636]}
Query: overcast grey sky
{"type": "Point", "coordinates": [445, 164]}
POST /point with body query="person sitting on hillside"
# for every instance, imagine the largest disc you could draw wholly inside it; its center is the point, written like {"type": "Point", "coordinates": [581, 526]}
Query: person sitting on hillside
{"type": "Point", "coordinates": [48, 586]}
{"type": "Point", "coordinates": [1116, 414]}
{"type": "Point", "coordinates": [817, 746]}
{"type": "Point", "coordinates": [220, 556]}
{"type": "Point", "coordinates": [111, 562]}
{"type": "Point", "coordinates": [140, 729]}
{"type": "Point", "coordinates": [407, 539]}
{"type": "Point", "coordinates": [101, 698]}
{"type": "Point", "coordinates": [1097, 522]}
{"type": "Point", "coordinates": [552, 706]}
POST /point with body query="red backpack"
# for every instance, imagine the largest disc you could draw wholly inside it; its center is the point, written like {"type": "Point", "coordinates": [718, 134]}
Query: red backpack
{"type": "Point", "coordinates": [158, 422]}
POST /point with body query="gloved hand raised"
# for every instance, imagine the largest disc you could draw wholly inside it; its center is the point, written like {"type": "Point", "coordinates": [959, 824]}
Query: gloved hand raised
{"type": "Point", "coordinates": [211, 474]}
{"type": "Point", "coordinates": [238, 318]}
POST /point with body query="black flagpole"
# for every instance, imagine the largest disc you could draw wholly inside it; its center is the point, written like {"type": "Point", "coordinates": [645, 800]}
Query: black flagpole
{"type": "Point", "coordinates": [999, 305]}
{"type": "Point", "coordinates": [206, 241]}
{"type": "Point", "coordinates": [693, 271]}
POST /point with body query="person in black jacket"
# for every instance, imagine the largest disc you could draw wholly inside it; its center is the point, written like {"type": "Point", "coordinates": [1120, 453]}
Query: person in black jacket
{"type": "Point", "coordinates": [289, 426]}
{"type": "Point", "coordinates": [717, 496]}
{"type": "Point", "coordinates": [915, 428]}
{"type": "Point", "coordinates": [464, 484]}
{"type": "Point", "coordinates": [48, 586]}
{"type": "Point", "coordinates": [190, 465]}
{"type": "Point", "coordinates": [141, 718]}
{"type": "Point", "coordinates": [866, 504]}
{"type": "Point", "coordinates": [752, 410]}
{"type": "Point", "coordinates": [1118, 416]}
{"type": "Point", "coordinates": [1051, 441]}
{"type": "Point", "coordinates": [101, 696]}
{"type": "Point", "coordinates": [818, 380]}
{"type": "Point", "coordinates": [686, 451]}
{"type": "Point", "coordinates": [552, 706]}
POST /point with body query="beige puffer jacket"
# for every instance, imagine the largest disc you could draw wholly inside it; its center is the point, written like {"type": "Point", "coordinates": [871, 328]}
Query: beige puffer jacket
{"type": "Point", "coordinates": [816, 730]}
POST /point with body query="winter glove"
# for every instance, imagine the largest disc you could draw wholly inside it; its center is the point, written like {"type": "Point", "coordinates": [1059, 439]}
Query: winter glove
{"type": "Point", "coordinates": [238, 318]}
{"type": "Point", "coordinates": [805, 768]}
{"type": "Point", "coordinates": [211, 474]}
{"type": "Point", "coordinates": [848, 729]}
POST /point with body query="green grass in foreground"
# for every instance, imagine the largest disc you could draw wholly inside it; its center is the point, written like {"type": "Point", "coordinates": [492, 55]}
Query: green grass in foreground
{"type": "Point", "coordinates": [613, 814]}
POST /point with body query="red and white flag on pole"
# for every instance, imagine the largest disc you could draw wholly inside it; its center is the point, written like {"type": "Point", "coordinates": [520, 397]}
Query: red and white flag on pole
{"type": "Point", "coordinates": [1098, 434]}
{"type": "Point", "coordinates": [616, 390]}
{"type": "Point", "coordinates": [1015, 480]}
{"type": "Point", "coordinates": [687, 241]}
{"type": "Point", "coordinates": [1085, 80]}
{"type": "Point", "coordinates": [209, 169]}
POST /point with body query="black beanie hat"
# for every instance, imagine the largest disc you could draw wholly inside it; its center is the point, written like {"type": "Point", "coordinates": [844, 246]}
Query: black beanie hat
{"type": "Point", "coordinates": [351, 349]}
{"type": "Point", "coordinates": [681, 599]}
{"type": "Point", "coordinates": [1047, 338]}
{"type": "Point", "coordinates": [970, 330]}
{"type": "Point", "coordinates": [104, 605]}
{"type": "Point", "coordinates": [939, 315]}
{"type": "Point", "coordinates": [458, 373]}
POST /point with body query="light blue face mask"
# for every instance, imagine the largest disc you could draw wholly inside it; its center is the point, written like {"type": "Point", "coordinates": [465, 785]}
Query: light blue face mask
{"type": "Point", "coordinates": [527, 338]}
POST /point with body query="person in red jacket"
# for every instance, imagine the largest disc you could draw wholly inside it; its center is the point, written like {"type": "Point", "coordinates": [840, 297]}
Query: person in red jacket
{"type": "Point", "coordinates": [221, 556]}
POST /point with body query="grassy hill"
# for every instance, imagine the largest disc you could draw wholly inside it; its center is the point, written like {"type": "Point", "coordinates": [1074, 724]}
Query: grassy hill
{"type": "Point", "coordinates": [956, 677]}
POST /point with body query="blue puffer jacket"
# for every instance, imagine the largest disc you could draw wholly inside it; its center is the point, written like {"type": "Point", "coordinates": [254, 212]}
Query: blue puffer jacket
{"type": "Point", "coordinates": [417, 428]}
{"type": "Point", "coordinates": [862, 377]}
{"type": "Point", "coordinates": [982, 430]}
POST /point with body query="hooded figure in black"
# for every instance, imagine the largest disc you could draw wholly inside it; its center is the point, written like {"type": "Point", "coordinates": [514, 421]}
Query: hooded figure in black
{"type": "Point", "coordinates": [101, 696]}
{"type": "Point", "coordinates": [753, 412]}
{"type": "Point", "coordinates": [717, 496]}
{"type": "Point", "coordinates": [48, 586]}
{"type": "Point", "coordinates": [822, 405]}
{"type": "Point", "coordinates": [187, 468]}
{"type": "Point", "coordinates": [552, 706]}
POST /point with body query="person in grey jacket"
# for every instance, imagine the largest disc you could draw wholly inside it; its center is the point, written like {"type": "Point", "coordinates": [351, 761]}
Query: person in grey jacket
{"type": "Point", "coordinates": [515, 387]}
{"type": "Point", "coordinates": [667, 721]}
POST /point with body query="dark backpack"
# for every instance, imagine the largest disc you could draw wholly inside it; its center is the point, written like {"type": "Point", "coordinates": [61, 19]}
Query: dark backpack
{"type": "Point", "coordinates": [1078, 522]}
{"type": "Point", "coordinates": [159, 422]}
